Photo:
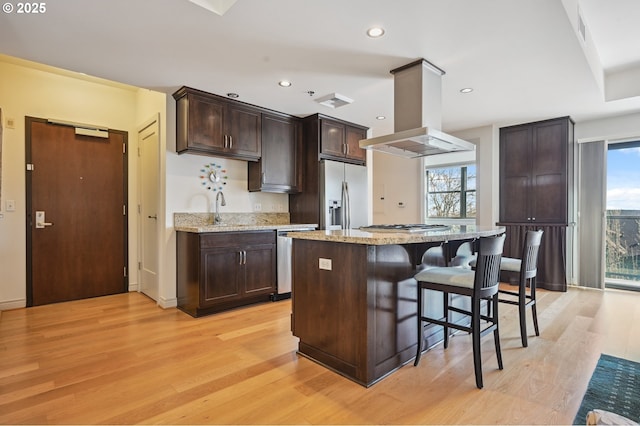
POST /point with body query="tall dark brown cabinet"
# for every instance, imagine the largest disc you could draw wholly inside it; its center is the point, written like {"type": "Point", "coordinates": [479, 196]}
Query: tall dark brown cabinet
{"type": "Point", "coordinates": [536, 173]}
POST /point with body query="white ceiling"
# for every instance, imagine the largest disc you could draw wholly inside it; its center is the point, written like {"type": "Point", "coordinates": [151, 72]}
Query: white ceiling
{"type": "Point", "coordinates": [522, 57]}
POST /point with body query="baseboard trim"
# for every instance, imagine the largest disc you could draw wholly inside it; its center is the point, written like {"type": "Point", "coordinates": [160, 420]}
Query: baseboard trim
{"type": "Point", "coordinates": [13, 304]}
{"type": "Point", "coordinates": [167, 303]}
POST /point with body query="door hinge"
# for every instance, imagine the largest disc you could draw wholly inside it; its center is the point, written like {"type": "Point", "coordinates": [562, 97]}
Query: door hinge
{"type": "Point", "coordinates": [139, 209]}
{"type": "Point", "coordinates": [124, 210]}
{"type": "Point", "coordinates": [139, 266]}
{"type": "Point", "coordinates": [30, 167]}
{"type": "Point", "coordinates": [124, 148]}
{"type": "Point", "coordinates": [125, 271]}
{"type": "Point", "coordinates": [139, 155]}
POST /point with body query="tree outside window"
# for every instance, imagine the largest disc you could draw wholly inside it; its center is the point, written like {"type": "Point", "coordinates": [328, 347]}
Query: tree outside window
{"type": "Point", "coordinates": [451, 192]}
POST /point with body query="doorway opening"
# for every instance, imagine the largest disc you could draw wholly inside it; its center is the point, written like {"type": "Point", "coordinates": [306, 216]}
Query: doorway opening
{"type": "Point", "coordinates": [622, 234]}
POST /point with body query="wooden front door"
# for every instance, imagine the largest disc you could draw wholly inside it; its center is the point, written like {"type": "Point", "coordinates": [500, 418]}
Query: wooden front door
{"type": "Point", "coordinates": [76, 213]}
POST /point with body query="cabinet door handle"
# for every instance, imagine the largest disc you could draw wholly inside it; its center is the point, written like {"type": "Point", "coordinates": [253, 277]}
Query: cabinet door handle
{"type": "Point", "coordinates": [225, 141]}
{"type": "Point", "coordinates": [230, 141]}
{"type": "Point", "coordinates": [263, 177]}
{"type": "Point", "coordinates": [244, 257]}
{"type": "Point", "coordinates": [346, 148]}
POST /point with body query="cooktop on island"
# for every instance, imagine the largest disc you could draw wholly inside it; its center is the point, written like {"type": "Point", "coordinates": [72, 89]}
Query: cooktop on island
{"type": "Point", "coordinates": [405, 228]}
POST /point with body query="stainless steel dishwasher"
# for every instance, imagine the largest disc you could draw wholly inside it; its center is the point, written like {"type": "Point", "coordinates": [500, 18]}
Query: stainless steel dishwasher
{"type": "Point", "coordinates": [284, 246]}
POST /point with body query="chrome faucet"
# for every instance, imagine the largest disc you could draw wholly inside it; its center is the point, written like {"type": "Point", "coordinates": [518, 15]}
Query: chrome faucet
{"type": "Point", "coordinates": [217, 218]}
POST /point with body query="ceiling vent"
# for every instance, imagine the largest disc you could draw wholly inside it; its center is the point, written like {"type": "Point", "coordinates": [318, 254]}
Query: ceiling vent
{"type": "Point", "coordinates": [582, 28]}
{"type": "Point", "coordinates": [334, 100]}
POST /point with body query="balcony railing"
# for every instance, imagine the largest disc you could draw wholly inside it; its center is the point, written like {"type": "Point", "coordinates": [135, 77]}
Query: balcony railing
{"type": "Point", "coordinates": [623, 247]}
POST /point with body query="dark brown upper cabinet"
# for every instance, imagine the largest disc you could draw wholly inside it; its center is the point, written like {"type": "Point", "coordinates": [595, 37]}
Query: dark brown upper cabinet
{"type": "Point", "coordinates": [336, 139]}
{"type": "Point", "coordinates": [208, 124]}
{"type": "Point", "coordinates": [279, 168]}
{"type": "Point", "coordinates": [535, 164]}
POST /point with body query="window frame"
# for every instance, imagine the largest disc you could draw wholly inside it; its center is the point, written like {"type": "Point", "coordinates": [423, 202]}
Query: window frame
{"type": "Point", "coordinates": [464, 191]}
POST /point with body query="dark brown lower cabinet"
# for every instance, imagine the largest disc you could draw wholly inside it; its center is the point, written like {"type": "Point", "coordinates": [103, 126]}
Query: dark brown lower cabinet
{"type": "Point", "coordinates": [223, 270]}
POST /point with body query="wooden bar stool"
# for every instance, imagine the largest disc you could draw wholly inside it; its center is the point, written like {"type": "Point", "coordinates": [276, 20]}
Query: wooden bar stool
{"type": "Point", "coordinates": [527, 268]}
{"type": "Point", "coordinates": [481, 284]}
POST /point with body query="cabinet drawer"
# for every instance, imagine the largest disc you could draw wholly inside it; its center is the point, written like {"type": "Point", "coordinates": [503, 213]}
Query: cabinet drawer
{"type": "Point", "coordinates": [237, 238]}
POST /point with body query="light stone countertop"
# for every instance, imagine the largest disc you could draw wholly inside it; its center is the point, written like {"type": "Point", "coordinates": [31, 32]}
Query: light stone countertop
{"type": "Point", "coordinates": [202, 229]}
{"type": "Point", "coordinates": [355, 236]}
{"type": "Point", "coordinates": [201, 223]}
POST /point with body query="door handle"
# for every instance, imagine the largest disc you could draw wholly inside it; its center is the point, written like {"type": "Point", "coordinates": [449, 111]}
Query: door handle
{"type": "Point", "coordinates": [155, 216]}
{"type": "Point", "coordinates": [40, 221]}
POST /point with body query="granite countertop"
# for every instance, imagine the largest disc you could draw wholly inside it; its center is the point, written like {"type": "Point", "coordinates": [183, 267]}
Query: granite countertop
{"type": "Point", "coordinates": [203, 222]}
{"type": "Point", "coordinates": [355, 236]}
{"type": "Point", "coordinates": [230, 228]}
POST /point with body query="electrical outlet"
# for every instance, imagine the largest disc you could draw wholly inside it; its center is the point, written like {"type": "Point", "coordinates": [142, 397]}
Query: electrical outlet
{"type": "Point", "coordinates": [11, 123]}
{"type": "Point", "coordinates": [10, 205]}
{"type": "Point", "coordinates": [324, 264]}
{"type": "Point", "coordinates": [257, 207]}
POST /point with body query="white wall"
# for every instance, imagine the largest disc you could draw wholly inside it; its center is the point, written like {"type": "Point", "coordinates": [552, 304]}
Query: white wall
{"type": "Point", "coordinates": [396, 189]}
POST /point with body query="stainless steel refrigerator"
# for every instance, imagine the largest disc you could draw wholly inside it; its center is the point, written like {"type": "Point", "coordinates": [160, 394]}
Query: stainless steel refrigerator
{"type": "Point", "coordinates": [343, 195]}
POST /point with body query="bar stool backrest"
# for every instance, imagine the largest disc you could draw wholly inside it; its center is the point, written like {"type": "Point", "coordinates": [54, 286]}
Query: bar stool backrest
{"type": "Point", "coordinates": [529, 266]}
{"type": "Point", "coordinates": [488, 265]}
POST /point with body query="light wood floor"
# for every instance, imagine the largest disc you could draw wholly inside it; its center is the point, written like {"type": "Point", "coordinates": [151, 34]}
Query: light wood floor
{"type": "Point", "coordinates": [122, 360]}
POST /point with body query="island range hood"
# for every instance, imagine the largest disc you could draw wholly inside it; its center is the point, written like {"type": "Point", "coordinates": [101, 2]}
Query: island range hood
{"type": "Point", "coordinates": [417, 115]}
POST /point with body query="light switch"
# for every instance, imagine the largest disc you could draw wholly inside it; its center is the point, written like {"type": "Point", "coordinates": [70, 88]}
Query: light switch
{"type": "Point", "coordinates": [10, 205]}
{"type": "Point", "coordinates": [324, 264]}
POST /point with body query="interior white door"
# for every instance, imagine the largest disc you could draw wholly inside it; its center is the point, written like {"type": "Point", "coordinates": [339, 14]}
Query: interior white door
{"type": "Point", "coordinates": [148, 178]}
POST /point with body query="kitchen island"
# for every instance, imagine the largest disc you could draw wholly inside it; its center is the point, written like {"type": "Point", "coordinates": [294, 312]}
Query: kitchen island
{"type": "Point", "coordinates": [354, 296]}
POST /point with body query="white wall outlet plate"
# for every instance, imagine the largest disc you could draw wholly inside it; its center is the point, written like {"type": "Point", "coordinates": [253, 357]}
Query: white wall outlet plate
{"type": "Point", "coordinates": [324, 264]}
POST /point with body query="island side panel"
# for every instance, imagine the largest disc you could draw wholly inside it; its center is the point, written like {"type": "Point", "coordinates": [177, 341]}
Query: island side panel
{"type": "Point", "coordinates": [330, 306]}
{"type": "Point", "coordinates": [392, 308]}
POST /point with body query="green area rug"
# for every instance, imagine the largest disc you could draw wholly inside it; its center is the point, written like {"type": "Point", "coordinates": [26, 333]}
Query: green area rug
{"type": "Point", "coordinates": [614, 387]}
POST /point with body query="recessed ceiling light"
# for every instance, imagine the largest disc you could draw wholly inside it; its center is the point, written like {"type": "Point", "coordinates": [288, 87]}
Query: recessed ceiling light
{"type": "Point", "coordinates": [233, 95]}
{"type": "Point", "coordinates": [466, 90]}
{"type": "Point", "coordinates": [284, 83]}
{"type": "Point", "coordinates": [381, 117]}
{"type": "Point", "coordinates": [375, 32]}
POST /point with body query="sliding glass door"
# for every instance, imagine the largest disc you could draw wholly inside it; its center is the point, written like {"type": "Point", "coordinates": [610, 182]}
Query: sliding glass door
{"type": "Point", "coordinates": [622, 236]}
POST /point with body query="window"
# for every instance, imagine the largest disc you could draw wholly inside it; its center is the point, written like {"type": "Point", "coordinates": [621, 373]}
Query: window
{"type": "Point", "coordinates": [451, 192]}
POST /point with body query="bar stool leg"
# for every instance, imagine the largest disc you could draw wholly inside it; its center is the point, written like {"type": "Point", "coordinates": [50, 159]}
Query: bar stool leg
{"type": "Point", "coordinates": [445, 308]}
{"type": "Point", "coordinates": [475, 327]}
{"type": "Point", "coordinates": [496, 332]}
{"type": "Point", "coordinates": [420, 330]}
{"type": "Point", "coordinates": [534, 310]}
{"type": "Point", "coordinates": [522, 311]}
